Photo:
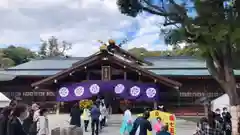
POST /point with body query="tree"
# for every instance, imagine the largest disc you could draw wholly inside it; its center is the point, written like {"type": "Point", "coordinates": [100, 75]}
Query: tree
{"type": "Point", "coordinates": [18, 54]}
{"type": "Point", "coordinates": [4, 61]}
{"type": "Point", "coordinates": [52, 48]}
{"type": "Point", "coordinates": [213, 29]}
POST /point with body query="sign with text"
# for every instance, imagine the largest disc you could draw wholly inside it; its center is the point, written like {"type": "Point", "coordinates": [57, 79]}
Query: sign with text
{"type": "Point", "coordinates": [29, 94]}
{"type": "Point", "coordinates": [106, 73]}
{"type": "Point", "coordinates": [200, 94]}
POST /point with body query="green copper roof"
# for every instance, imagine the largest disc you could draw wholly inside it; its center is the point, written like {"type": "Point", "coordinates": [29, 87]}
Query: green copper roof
{"type": "Point", "coordinates": [184, 72]}
{"type": "Point", "coordinates": [61, 63]}
{"type": "Point", "coordinates": [159, 62]}
{"type": "Point", "coordinates": [31, 72]}
{"type": "Point", "coordinates": [163, 72]}
{"type": "Point", "coordinates": [176, 62]}
{"type": "Point", "coordinates": [166, 66]}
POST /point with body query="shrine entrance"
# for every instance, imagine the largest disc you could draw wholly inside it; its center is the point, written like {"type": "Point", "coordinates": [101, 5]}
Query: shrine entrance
{"type": "Point", "coordinates": [113, 73]}
{"type": "Point", "coordinates": [116, 93]}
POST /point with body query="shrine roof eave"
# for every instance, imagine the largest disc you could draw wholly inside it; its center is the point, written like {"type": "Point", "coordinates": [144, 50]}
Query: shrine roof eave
{"type": "Point", "coordinates": [138, 59]}
{"type": "Point", "coordinates": [99, 57]}
{"type": "Point", "coordinates": [6, 77]}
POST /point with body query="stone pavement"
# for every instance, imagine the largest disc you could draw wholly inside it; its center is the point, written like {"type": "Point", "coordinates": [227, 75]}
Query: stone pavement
{"type": "Point", "coordinates": [183, 127]}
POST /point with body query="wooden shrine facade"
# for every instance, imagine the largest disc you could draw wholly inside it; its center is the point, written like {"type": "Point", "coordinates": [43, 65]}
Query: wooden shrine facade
{"type": "Point", "coordinates": [39, 80]}
{"type": "Point", "coordinates": [105, 66]}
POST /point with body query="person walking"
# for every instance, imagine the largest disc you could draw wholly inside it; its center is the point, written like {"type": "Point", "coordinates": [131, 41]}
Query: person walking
{"type": "Point", "coordinates": [127, 122]}
{"type": "Point", "coordinates": [42, 123]}
{"type": "Point", "coordinates": [95, 114]}
{"type": "Point", "coordinates": [36, 110]}
{"type": "Point", "coordinates": [159, 125]}
{"type": "Point", "coordinates": [75, 115]}
{"type": "Point", "coordinates": [227, 126]}
{"type": "Point", "coordinates": [103, 115]}
{"type": "Point", "coordinates": [4, 118]}
{"type": "Point", "coordinates": [211, 126]}
{"type": "Point", "coordinates": [15, 125]}
{"type": "Point", "coordinates": [86, 118]}
{"type": "Point", "coordinates": [141, 125]}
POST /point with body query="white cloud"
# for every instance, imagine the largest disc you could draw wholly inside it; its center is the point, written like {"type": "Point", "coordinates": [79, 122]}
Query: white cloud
{"type": "Point", "coordinates": [80, 22]}
{"type": "Point", "coordinates": [148, 34]}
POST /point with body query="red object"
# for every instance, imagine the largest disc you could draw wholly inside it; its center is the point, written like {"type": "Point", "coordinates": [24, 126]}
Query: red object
{"type": "Point", "coordinates": [172, 131]}
{"type": "Point", "coordinates": [171, 118]}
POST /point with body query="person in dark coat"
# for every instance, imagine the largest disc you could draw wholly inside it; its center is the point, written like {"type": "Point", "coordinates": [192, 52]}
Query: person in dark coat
{"type": "Point", "coordinates": [75, 115]}
{"type": "Point", "coordinates": [218, 116]}
{"type": "Point", "coordinates": [227, 127]}
{"type": "Point", "coordinates": [13, 103]}
{"type": "Point", "coordinates": [141, 125]}
{"type": "Point", "coordinates": [164, 131]}
{"type": "Point", "coordinates": [95, 114]}
{"type": "Point", "coordinates": [15, 125]}
{"type": "Point", "coordinates": [28, 122]}
{"type": "Point", "coordinates": [4, 117]}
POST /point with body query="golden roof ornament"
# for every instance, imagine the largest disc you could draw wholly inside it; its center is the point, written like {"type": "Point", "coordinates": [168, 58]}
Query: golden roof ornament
{"type": "Point", "coordinates": [111, 42]}
{"type": "Point", "coordinates": [103, 47]}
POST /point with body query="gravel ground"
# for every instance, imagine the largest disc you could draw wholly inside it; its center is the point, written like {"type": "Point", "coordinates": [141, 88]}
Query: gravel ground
{"type": "Point", "coordinates": [183, 127]}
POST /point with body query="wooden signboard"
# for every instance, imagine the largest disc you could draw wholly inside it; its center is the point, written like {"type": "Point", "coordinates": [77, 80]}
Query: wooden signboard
{"type": "Point", "coordinates": [106, 73]}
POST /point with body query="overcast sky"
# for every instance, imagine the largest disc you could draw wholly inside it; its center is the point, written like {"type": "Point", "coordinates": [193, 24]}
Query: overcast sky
{"type": "Point", "coordinates": [80, 22]}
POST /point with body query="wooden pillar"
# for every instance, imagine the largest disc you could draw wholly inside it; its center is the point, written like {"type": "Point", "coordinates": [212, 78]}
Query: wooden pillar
{"type": "Point", "coordinates": [58, 108]}
{"type": "Point", "coordinates": [125, 75]}
{"type": "Point", "coordinates": [87, 75]}
{"type": "Point", "coordinates": [155, 105]}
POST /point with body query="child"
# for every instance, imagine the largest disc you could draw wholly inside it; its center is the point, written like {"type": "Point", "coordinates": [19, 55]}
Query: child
{"type": "Point", "coordinates": [158, 126]}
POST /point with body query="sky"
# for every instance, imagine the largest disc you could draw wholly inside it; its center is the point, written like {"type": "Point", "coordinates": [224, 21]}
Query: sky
{"type": "Point", "coordinates": [80, 22]}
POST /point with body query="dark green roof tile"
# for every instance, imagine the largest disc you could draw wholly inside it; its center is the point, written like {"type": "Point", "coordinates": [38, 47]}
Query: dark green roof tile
{"type": "Point", "coordinates": [31, 72]}
{"type": "Point", "coordinates": [47, 64]}
{"type": "Point", "coordinates": [184, 72]}
{"type": "Point", "coordinates": [176, 62]}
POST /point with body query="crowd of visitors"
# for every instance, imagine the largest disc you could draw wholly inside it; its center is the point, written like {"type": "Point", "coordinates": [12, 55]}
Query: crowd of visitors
{"type": "Point", "coordinates": [142, 125]}
{"type": "Point", "coordinates": [215, 124]}
{"type": "Point", "coordinates": [97, 115]}
{"type": "Point", "coordinates": [21, 119]}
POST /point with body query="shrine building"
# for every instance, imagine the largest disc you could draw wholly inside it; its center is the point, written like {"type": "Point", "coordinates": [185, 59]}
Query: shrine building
{"type": "Point", "coordinates": [118, 76]}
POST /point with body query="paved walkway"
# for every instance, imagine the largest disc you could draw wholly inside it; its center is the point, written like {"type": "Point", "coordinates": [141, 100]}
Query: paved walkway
{"type": "Point", "coordinates": [183, 127]}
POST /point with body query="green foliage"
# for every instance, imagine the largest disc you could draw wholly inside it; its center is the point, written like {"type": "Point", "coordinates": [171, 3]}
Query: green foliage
{"type": "Point", "coordinates": [186, 51]}
{"type": "Point", "coordinates": [18, 55]}
{"type": "Point", "coordinates": [4, 61]}
{"type": "Point", "coordinates": [129, 7]}
{"type": "Point", "coordinates": [52, 48]}
{"type": "Point", "coordinates": [212, 31]}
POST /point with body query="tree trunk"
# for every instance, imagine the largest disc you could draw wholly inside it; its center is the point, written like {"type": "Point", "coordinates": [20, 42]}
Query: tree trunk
{"type": "Point", "coordinates": [235, 112]}
{"type": "Point", "coordinates": [234, 108]}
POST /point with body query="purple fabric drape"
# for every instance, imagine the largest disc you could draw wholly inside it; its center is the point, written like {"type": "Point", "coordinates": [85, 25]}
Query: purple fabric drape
{"type": "Point", "coordinates": [123, 88]}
